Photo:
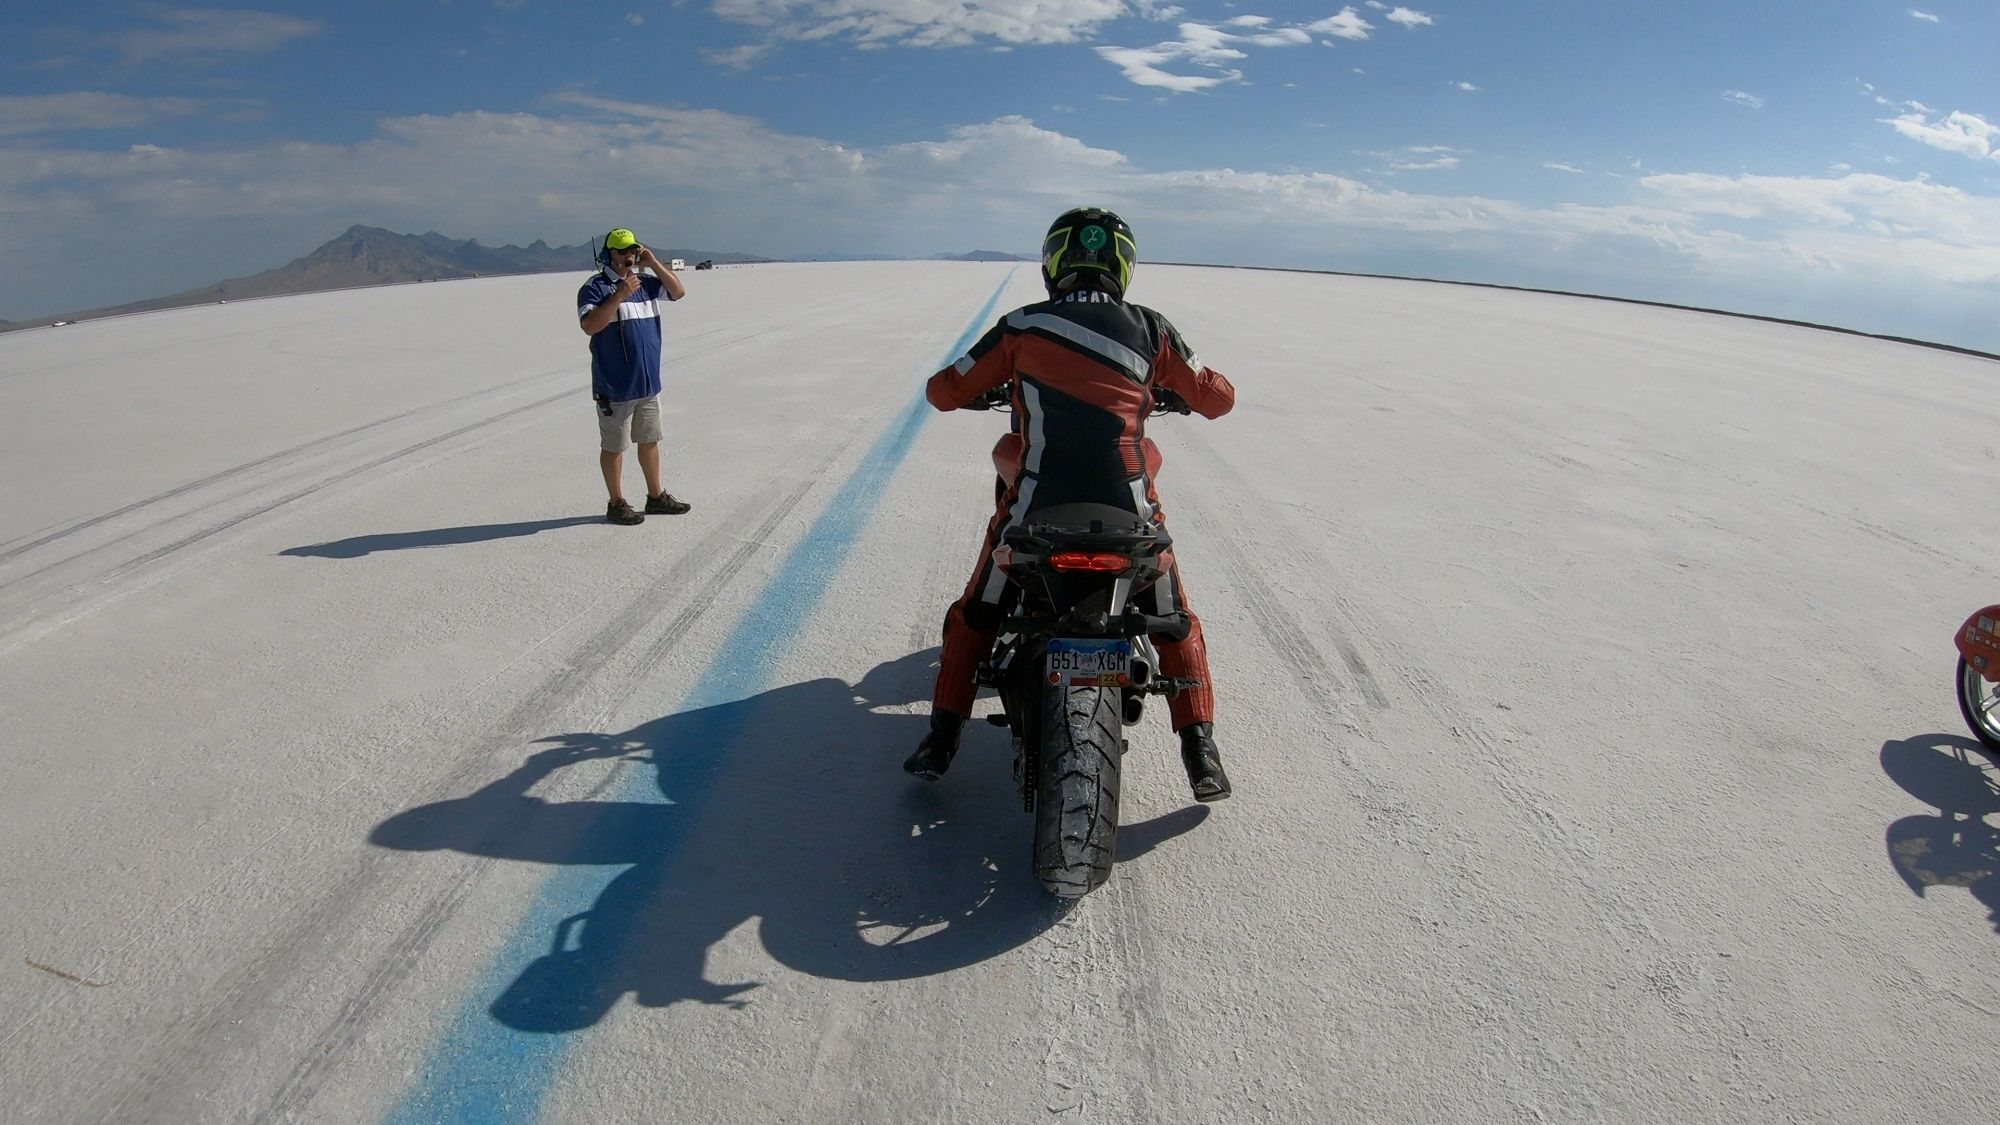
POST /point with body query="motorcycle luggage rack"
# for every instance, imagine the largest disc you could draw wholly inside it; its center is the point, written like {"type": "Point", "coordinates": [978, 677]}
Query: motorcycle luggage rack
{"type": "Point", "coordinates": [1088, 527]}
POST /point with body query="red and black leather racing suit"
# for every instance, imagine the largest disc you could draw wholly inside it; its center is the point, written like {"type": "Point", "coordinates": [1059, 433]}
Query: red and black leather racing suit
{"type": "Point", "coordinates": [1083, 369]}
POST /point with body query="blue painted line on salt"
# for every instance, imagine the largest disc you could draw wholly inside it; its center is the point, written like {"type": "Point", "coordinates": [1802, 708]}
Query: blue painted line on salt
{"type": "Point", "coordinates": [484, 1070]}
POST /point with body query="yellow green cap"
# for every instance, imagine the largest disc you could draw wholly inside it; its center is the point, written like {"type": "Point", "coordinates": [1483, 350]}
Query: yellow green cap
{"type": "Point", "coordinates": [620, 239]}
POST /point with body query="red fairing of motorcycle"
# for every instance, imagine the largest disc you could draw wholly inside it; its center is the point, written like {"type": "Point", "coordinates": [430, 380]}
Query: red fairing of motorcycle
{"type": "Point", "coordinates": [1979, 643]}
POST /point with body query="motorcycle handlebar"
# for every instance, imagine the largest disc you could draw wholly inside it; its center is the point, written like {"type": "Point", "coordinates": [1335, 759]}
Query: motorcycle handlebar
{"type": "Point", "coordinates": [1002, 398]}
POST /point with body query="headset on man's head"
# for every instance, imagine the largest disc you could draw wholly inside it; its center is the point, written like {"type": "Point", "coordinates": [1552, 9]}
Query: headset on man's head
{"type": "Point", "coordinates": [600, 251]}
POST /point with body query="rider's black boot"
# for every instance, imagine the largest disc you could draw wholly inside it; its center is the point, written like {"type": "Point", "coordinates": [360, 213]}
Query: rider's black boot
{"type": "Point", "coordinates": [934, 753]}
{"type": "Point", "coordinates": [1204, 762]}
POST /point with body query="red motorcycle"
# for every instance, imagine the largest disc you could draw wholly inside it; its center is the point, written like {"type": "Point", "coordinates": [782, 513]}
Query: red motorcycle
{"type": "Point", "coordinates": [1074, 663]}
{"type": "Point", "coordinates": [1979, 674]}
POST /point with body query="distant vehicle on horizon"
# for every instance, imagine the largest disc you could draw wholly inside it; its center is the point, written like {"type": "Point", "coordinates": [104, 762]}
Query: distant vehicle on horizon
{"type": "Point", "coordinates": [677, 264]}
{"type": "Point", "coordinates": [705, 264]}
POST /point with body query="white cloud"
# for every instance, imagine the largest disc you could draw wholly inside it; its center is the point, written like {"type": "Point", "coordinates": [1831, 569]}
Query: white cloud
{"type": "Point", "coordinates": [737, 57]}
{"type": "Point", "coordinates": [1967, 134]}
{"type": "Point", "coordinates": [1146, 66]}
{"type": "Point", "coordinates": [1206, 45]}
{"type": "Point", "coordinates": [88, 109]}
{"type": "Point", "coordinates": [1200, 45]}
{"type": "Point", "coordinates": [1434, 164]}
{"type": "Point", "coordinates": [207, 34]}
{"type": "Point", "coordinates": [1347, 24]}
{"type": "Point", "coordinates": [1199, 58]}
{"type": "Point", "coordinates": [1467, 87]}
{"type": "Point", "coordinates": [1011, 141]}
{"type": "Point", "coordinates": [1280, 37]}
{"type": "Point", "coordinates": [1559, 166]}
{"type": "Point", "coordinates": [1857, 221]}
{"type": "Point", "coordinates": [1741, 98]}
{"type": "Point", "coordinates": [1419, 158]}
{"type": "Point", "coordinates": [1923, 16]}
{"type": "Point", "coordinates": [1409, 18]}
{"type": "Point", "coordinates": [722, 181]}
{"type": "Point", "coordinates": [924, 23]}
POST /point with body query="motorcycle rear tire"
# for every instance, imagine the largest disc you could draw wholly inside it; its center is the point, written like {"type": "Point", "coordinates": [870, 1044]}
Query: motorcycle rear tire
{"type": "Point", "coordinates": [1076, 806]}
{"type": "Point", "coordinates": [1979, 702]}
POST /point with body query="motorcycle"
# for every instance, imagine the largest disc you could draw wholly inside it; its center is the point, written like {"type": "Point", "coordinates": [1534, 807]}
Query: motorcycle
{"type": "Point", "coordinates": [1978, 643]}
{"type": "Point", "coordinates": [1073, 666]}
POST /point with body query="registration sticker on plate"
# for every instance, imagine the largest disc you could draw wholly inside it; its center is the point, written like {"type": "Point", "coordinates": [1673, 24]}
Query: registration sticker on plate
{"type": "Point", "coordinates": [1080, 662]}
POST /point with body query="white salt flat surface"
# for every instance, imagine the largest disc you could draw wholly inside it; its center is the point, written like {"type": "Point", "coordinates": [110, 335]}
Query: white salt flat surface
{"type": "Point", "coordinates": [1584, 675]}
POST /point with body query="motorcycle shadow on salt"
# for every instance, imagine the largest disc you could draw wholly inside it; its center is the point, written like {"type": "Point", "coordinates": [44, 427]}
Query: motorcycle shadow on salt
{"type": "Point", "coordinates": [1959, 845]}
{"type": "Point", "coordinates": [789, 808]}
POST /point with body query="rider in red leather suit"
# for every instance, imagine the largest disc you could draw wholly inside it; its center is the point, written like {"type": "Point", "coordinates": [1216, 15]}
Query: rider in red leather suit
{"type": "Point", "coordinates": [1081, 367]}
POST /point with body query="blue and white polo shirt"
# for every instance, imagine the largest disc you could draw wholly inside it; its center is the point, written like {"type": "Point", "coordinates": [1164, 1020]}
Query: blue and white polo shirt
{"type": "Point", "coordinates": [625, 357]}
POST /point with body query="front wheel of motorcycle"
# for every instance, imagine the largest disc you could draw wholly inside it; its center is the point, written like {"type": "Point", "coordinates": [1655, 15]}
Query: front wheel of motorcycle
{"type": "Point", "coordinates": [1979, 702]}
{"type": "Point", "coordinates": [1076, 806]}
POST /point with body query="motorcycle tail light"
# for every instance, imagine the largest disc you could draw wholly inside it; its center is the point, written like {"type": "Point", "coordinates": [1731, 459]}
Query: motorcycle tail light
{"type": "Point", "coordinates": [1101, 562]}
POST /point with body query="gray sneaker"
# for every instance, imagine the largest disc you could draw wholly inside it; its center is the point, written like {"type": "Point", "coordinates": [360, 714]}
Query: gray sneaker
{"type": "Point", "coordinates": [665, 505]}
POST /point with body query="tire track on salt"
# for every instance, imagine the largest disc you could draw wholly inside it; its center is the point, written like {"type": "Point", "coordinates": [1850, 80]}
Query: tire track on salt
{"type": "Point", "coordinates": [1669, 974]}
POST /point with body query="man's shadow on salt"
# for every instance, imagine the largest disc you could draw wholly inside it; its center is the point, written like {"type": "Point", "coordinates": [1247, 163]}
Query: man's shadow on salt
{"type": "Point", "coordinates": [789, 807]}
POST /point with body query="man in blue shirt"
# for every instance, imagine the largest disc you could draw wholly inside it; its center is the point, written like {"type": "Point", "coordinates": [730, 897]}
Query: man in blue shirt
{"type": "Point", "coordinates": [620, 311]}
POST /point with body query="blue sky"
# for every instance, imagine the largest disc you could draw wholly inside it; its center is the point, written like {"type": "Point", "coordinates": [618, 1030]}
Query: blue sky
{"type": "Point", "coordinates": [1836, 161]}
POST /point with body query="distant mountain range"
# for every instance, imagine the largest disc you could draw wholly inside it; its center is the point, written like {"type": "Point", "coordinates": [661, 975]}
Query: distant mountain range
{"type": "Point", "coordinates": [364, 256]}
{"type": "Point", "coordinates": [987, 256]}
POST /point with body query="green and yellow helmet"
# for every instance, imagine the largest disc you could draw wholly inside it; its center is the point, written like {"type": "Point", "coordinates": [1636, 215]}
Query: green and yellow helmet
{"type": "Point", "coordinates": [1088, 244]}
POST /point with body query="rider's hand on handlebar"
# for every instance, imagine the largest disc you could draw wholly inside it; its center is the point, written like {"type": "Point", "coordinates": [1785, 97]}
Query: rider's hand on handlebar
{"type": "Point", "coordinates": [998, 398]}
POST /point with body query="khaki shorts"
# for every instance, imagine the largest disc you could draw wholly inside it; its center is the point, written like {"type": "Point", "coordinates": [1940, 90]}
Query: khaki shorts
{"type": "Point", "coordinates": [639, 418]}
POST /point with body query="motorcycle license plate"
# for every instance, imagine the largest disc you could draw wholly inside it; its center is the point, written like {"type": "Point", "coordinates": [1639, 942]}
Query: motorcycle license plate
{"type": "Point", "coordinates": [1080, 662]}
